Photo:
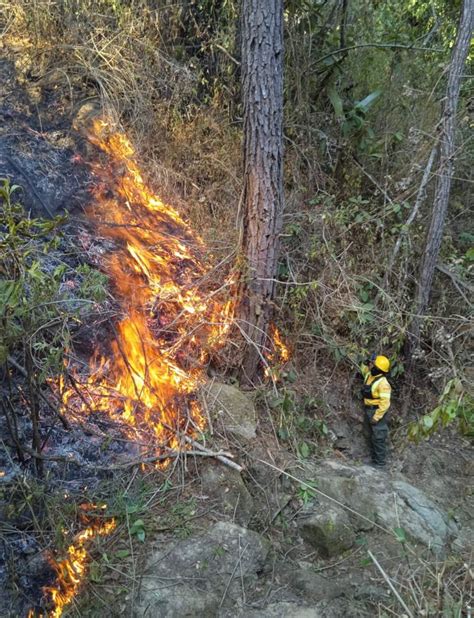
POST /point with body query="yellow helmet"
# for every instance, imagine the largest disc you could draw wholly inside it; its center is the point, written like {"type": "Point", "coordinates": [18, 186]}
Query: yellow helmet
{"type": "Point", "coordinates": [382, 363]}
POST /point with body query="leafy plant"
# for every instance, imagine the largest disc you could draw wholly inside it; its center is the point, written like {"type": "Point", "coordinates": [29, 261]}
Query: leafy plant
{"type": "Point", "coordinates": [307, 491]}
{"type": "Point", "coordinates": [455, 404]}
{"type": "Point", "coordinates": [137, 529]}
{"type": "Point", "coordinates": [38, 303]}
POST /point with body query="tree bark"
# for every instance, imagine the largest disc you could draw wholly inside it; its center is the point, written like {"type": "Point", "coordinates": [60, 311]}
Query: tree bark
{"type": "Point", "coordinates": [262, 203]}
{"type": "Point", "coordinates": [445, 170]}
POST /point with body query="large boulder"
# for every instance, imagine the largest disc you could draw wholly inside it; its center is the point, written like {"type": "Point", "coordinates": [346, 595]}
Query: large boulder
{"type": "Point", "coordinates": [376, 498]}
{"type": "Point", "coordinates": [328, 530]}
{"type": "Point", "coordinates": [231, 410]}
{"type": "Point", "coordinates": [199, 574]}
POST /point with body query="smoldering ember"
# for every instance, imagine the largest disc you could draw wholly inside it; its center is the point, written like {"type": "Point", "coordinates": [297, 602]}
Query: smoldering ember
{"type": "Point", "coordinates": [235, 276]}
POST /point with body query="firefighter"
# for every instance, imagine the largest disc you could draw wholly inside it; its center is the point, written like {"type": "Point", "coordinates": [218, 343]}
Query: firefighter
{"type": "Point", "coordinates": [376, 394]}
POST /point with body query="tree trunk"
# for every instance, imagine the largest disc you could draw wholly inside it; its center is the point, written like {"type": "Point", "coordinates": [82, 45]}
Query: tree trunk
{"type": "Point", "coordinates": [445, 169]}
{"type": "Point", "coordinates": [262, 92]}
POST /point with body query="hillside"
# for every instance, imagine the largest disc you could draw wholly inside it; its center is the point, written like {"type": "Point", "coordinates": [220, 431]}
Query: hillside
{"type": "Point", "coordinates": [143, 470]}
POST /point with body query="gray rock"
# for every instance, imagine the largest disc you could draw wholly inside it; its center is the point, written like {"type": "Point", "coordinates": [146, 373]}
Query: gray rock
{"type": "Point", "coordinates": [337, 608]}
{"type": "Point", "coordinates": [157, 599]}
{"type": "Point", "coordinates": [192, 577]}
{"type": "Point", "coordinates": [231, 409]}
{"type": "Point", "coordinates": [285, 610]}
{"type": "Point", "coordinates": [313, 586]}
{"type": "Point", "coordinates": [390, 502]}
{"type": "Point", "coordinates": [226, 487]}
{"type": "Point", "coordinates": [328, 529]}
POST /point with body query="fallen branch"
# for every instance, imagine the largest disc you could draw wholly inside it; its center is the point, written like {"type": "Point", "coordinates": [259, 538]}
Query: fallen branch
{"type": "Point", "coordinates": [222, 458]}
{"type": "Point", "coordinates": [392, 587]}
{"type": "Point", "coordinates": [162, 457]}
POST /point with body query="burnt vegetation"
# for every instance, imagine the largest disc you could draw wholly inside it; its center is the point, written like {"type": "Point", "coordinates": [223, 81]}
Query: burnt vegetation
{"type": "Point", "coordinates": [183, 207]}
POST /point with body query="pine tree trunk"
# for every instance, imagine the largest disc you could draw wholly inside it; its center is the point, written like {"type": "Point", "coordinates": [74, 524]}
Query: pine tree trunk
{"type": "Point", "coordinates": [445, 170]}
{"type": "Point", "coordinates": [262, 91]}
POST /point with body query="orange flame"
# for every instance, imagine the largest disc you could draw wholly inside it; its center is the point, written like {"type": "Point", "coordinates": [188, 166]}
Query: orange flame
{"type": "Point", "coordinates": [280, 347]}
{"type": "Point", "coordinates": [70, 572]}
{"type": "Point", "coordinates": [148, 377]}
{"type": "Point", "coordinates": [278, 357]}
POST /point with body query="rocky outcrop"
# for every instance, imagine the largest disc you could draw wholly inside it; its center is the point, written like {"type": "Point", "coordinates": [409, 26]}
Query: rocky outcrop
{"type": "Point", "coordinates": [374, 498]}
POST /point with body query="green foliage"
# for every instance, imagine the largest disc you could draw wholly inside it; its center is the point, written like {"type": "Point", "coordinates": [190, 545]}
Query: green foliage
{"type": "Point", "coordinates": [137, 529]}
{"type": "Point", "coordinates": [354, 122]}
{"type": "Point", "coordinates": [36, 305]}
{"type": "Point", "coordinates": [300, 422]}
{"type": "Point", "coordinates": [455, 404]}
{"type": "Point", "coordinates": [307, 491]}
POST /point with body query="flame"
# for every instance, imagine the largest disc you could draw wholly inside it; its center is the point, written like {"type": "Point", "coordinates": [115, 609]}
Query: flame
{"type": "Point", "coordinates": [280, 347]}
{"type": "Point", "coordinates": [278, 357]}
{"type": "Point", "coordinates": [148, 377]}
{"type": "Point", "coordinates": [71, 570]}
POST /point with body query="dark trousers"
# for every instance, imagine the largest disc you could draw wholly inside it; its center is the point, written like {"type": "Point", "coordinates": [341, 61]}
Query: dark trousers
{"type": "Point", "coordinates": [377, 437]}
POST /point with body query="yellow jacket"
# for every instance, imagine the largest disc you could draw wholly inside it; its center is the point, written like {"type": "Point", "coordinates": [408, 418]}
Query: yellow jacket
{"type": "Point", "coordinates": [381, 392]}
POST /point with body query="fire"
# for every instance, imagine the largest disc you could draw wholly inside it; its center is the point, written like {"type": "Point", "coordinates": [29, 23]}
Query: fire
{"type": "Point", "coordinates": [147, 377]}
{"type": "Point", "coordinates": [71, 570]}
{"type": "Point", "coordinates": [277, 357]}
{"type": "Point", "coordinates": [280, 347]}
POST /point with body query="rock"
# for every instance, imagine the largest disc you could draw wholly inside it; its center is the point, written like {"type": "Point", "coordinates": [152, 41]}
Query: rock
{"type": "Point", "coordinates": [231, 410]}
{"type": "Point", "coordinates": [328, 529]}
{"type": "Point", "coordinates": [285, 610]}
{"type": "Point", "coordinates": [372, 593]}
{"type": "Point", "coordinates": [170, 602]}
{"type": "Point", "coordinates": [227, 488]}
{"type": "Point", "coordinates": [390, 502]}
{"type": "Point", "coordinates": [324, 609]}
{"type": "Point", "coordinates": [193, 577]}
{"type": "Point", "coordinates": [313, 586]}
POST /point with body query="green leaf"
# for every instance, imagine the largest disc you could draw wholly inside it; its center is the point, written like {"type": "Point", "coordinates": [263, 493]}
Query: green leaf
{"type": "Point", "coordinates": [427, 421]}
{"type": "Point", "coordinates": [138, 529]}
{"type": "Point", "coordinates": [336, 103]}
{"type": "Point", "coordinates": [400, 534]}
{"type": "Point", "coordinates": [303, 449]}
{"type": "Point", "coordinates": [122, 553]}
{"type": "Point", "coordinates": [368, 101]}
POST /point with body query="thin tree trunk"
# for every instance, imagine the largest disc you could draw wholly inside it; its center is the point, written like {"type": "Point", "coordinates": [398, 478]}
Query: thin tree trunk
{"type": "Point", "coordinates": [446, 160]}
{"type": "Point", "coordinates": [420, 197]}
{"type": "Point", "coordinates": [262, 91]}
{"type": "Point", "coordinates": [34, 409]}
